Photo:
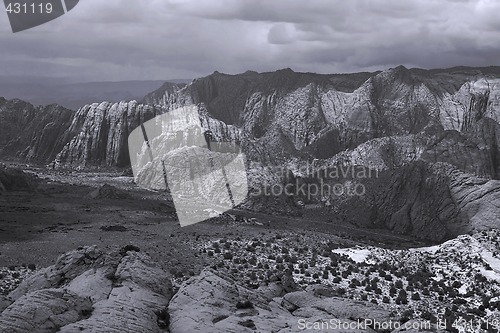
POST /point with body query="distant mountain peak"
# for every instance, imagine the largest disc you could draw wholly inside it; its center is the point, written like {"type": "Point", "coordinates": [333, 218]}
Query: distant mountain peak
{"type": "Point", "coordinates": [399, 74]}
{"type": "Point", "coordinates": [400, 68]}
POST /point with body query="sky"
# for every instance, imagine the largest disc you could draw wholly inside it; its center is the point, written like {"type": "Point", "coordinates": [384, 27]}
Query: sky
{"type": "Point", "coordinates": [113, 40]}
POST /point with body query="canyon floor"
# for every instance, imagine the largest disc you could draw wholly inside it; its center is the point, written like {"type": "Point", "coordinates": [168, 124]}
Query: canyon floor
{"type": "Point", "coordinates": [62, 214]}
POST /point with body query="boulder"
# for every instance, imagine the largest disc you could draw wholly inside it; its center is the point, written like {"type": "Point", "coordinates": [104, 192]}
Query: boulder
{"type": "Point", "coordinates": [107, 191]}
{"type": "Point", "coordinates": [44, 311]}
{"type": "Point", "coordinates": [12, 179]}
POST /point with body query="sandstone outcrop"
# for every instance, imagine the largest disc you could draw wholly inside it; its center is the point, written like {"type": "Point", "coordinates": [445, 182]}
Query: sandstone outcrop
{"type": "Point", "coordinates": [91, 291]}
{"type": "Point", "coordinates": [99, 132]}
{"type": "Point", "coordinates": [214, 304]}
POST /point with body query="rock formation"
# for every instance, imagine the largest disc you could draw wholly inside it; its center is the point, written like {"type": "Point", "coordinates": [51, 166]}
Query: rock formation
{"type": "Point", "coordinates": [91, 291]}
{"type": "Point", "coordinates": [214, 304]}
{"type": "Point", "coordinates": [285, 114]}
{"type": "Point", "coordinates": [124, 291]}
{"type": "Point", "coordinates": [99, 132]}
{"type": "Point", "coordinates": [386, 121]}
{"type": "Point", "coordinates": [34, 134]}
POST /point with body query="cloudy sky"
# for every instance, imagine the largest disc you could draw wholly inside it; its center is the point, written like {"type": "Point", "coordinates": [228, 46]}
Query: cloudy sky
{"type": "Point", "coordinates": [166, 39]}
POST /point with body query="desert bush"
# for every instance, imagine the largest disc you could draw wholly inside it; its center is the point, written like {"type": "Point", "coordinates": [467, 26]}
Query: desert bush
{"type": "Point", "coordinates": [217, 319]}
{"type": "Point", "coordinates": [247, 323]}
{"type": "Point", "coordinates": [162, 318]}
{"type": "Point", "coordinates": [244, 305]}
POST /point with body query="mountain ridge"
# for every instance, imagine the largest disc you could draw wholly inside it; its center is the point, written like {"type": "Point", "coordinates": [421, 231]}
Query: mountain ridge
{"type": "Point", "coordinates": [403, 122]}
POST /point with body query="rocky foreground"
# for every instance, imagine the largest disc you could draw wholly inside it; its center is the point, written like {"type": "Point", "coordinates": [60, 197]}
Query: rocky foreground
{"type": "Point", "coordinates": [88, 290]}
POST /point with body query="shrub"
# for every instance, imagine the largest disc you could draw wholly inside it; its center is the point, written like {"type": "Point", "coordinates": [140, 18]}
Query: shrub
{"type": "Point", "coordinates": [247, 323]}
{"type": "Point", "coordinates": [244, 305]}
{"type": "Point", "coordinates": [162, 318]}
{"type": "Point", "coordinates": [128, 248]}
{"type": "Point", "coordinates": [216, 319]}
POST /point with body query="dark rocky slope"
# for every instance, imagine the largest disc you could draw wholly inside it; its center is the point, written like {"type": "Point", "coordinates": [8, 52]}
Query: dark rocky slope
{"type": "Point", "coordinates": [34, 134]}
{"type": "Point", "coordinates": [16, 180]}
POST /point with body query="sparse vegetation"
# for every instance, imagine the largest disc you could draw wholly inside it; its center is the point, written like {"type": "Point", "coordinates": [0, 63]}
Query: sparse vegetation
{"type": "Point", "coordinates": [399, 280]}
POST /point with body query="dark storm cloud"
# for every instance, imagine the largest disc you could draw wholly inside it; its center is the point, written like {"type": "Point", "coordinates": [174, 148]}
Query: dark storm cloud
{"type": "Point", "coordinates": [156, 39]}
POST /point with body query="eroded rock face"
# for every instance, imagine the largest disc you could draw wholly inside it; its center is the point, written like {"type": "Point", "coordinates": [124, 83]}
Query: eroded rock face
{"type": "Point", "coordinates": [99, 132]}
{"type": "Point", "coordinates": [32, 133]}
{"type": "Point", "coordinates": [478, 198]}
{"type": "Point", "coordinates": [416, 201]}
{"type": "Point", "coordinates": [286, 114]}
{"type": "Point", "coordinates": [210, 303]}
{"type": "Point", "coordinates": [90, 291]}
{"type": "Point", "coordinates": [429, 201]}
{"type": "Point", "coordinates": [47, 310]}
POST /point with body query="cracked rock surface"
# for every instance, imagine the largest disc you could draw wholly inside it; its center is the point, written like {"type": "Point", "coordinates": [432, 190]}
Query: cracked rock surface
{"type": "Point", "coordinates": [214, 304]}
{"type": "Point", "coordinates": [90, 291]}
